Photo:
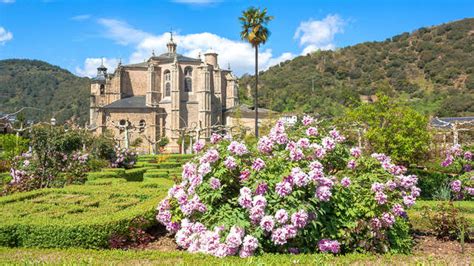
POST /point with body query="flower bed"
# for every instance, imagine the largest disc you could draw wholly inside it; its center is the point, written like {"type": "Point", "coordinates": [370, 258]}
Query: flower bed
{"type": "Point", "coordinates": [78, 215]}
{"type": "Point", "coordinates": [300, 190]}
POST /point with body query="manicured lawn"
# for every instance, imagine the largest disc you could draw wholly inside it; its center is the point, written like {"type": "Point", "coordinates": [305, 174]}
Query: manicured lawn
{"type": "Point", "coordinates": [107, 257]}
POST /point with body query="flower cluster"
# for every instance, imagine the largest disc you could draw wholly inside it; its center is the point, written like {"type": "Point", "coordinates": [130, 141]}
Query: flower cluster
{"type": "Point", "coordinates": [124, 158]}
{"type": "Point", "coordinates": [238, 199]}
{"type": "Point", "coordinates": [463, 186]}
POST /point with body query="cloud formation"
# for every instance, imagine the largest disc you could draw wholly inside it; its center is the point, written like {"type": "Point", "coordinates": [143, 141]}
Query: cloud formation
{"type": "Point", "coordinates": [319, 34]}
{"type": "Point", "coordinates": [5, 35]}
{"type": "Point", "coordinates": [90, 66]}
{"type": "Point", "coordinates": [238, 54]}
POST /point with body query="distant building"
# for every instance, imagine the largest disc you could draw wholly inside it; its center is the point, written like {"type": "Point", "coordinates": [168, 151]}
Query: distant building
{"type": "Point", "coordinates": [156, 98]}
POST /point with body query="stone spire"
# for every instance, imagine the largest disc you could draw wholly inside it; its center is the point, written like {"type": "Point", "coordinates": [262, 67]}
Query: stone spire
{"type": "Point", "coordinates": [171, 45]}
{"type": "Point", "coordinates": [101, 70]}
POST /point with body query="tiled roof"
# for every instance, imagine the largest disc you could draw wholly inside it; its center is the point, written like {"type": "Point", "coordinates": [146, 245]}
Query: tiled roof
{"type": "Point", "coordinates": [446, 122]}
{"type": "Point", "coordinates": [166, 58]}
{"type": "Point", "coordinates": [130, 102]}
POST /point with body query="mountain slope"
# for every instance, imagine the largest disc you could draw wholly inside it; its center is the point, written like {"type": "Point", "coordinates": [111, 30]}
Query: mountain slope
{"type": "Point", "coordinates": [431, 68]}
{"type": "Point", "coordinates": [33, 83]}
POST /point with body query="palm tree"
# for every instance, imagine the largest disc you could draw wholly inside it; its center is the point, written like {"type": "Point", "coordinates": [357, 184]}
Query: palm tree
{"type": "Point", "coordinates": [254, 31]}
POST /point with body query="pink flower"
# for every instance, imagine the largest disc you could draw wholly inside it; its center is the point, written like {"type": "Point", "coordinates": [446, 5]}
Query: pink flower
{"type": "Point", "coordinates": [303, 143]}
{"type": "Point", "coordinates": [328, 143]}
{"type": "Point", "coordinates": [398, 210]}
{"type": "Point", "coordinates": [296, 154]}
{"type": "Point", "coordinates": [237, 148]}
{"type": "Point", "coordinates": [336, 136]}
{"type": "Point", "coordinates": [323, 193]}
{"type": "Point", "coordinates": [468, 155]}
{"type": "Point", "coordinates": [259, 201]}
{"type": "Point", "coordinates": [408, 200]}
{"type": "Point", "coordinates": [258, 164]}
{"type": "Point", "coordinates": [215, 183]}
{"type": "Point", "coordinates": [299, 219]}
{"type": "Point", "coordinates": [210, 156]}
{"type": "Point", "coordinates": [377, 187]}
{"type": "Point", "coordinates": [198, 146]}
{"type": "Point", "coordinates": [388, 219]}
{"type": "Point", "coordinates": [300, 178]}
{"type": "Point", "coordinates": [244, 175]}
{"type": "Point", "coordinates": [281, 216]}
{"type": "Point", "coordinates": [312, 131]}
{"type": "Point", "coordinates": [316, 165]}
{"type": "Point", "coordinates": [351, 164]}
{"type": "Point", "coordinates": [230, 163]}
{"type": "Point", "coordinates": [356, 152]}
{"type": "Point", "coordinates": [204, 169]}
{"type": "Point", "coordinates": [267, 223]}
{"type": "Point", "coordinates": [265, 145]}
{"type": "Point", "coordinates": [456, 186]}
{"type": "Point", "coordinates": [327, 245]}
{"type": "Point", "coordinates": [279, 236]}
{"type": "Point", "coordinates": [307, 120]}
{"type": "Point", "coordinates": [381, 198]}
{"type": "Point", "coordinates": [346, 182]}
{"type": "Point", "coordinates": [283, 188]}
{"type": "Point", "coordinates": [261, 189]}
{"type": "Point", "coordinates": [215, 138]}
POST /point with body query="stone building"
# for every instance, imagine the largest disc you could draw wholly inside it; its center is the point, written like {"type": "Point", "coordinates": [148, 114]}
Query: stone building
{"type": "Point", "coordinates": [145, 102]}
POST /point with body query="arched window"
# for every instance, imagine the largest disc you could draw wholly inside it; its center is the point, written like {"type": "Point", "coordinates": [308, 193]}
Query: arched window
{"type": "Point", "coordinates": [102, 89]}
{"type": "Point", "coordinates": [188, 79]}
{"type": "Point", "coordinates": [167, 83]}
{"type": "Point", "coordinates": [167, 89]}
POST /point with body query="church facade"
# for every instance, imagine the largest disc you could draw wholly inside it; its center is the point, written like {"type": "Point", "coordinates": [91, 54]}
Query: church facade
{"type": "Point", "coordinates": [146, 102]}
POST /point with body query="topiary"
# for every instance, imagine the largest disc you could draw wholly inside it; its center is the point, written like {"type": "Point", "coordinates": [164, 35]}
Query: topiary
{"type": "Point", "coordinates": [300, 189]}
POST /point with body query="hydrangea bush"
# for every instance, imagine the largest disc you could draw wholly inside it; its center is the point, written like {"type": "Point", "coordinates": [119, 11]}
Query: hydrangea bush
{"type": "Point", "coordinates": [301, 189]}
{"type": "Point", "coordinates": [463, 185]}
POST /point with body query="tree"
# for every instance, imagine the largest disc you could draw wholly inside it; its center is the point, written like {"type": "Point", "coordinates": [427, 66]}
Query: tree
{"type": "Point", "coordinates": [392, 128]}
{"type": "Point", "coordinates": [254, 31]}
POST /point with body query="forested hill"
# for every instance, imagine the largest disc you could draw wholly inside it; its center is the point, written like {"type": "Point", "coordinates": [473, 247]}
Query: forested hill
{"type": "Point", "coordinates": [33, 83]}
{"type": "Point", "coordinates": [431, 68]}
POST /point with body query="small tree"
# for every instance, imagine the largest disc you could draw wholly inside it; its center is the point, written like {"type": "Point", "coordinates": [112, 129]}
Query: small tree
{"type": "Point", "coordinates": [392, 128]}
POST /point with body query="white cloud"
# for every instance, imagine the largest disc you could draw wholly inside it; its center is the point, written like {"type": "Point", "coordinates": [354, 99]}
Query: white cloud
{"type": "Point", "coordinates": [121, 32]}
{"type": "Point", "coordinates": [240, 55]}
{"type": "Point", "coordinates": [7, 1]}
{"type": "Point", "coordinates": [91, 65]}
{"type": "Point", "coordinates": [319, 34]}
{"type": "Point", "coordinates": [5, 35]}
{"type": "Point", "coordinates": [81, 17]}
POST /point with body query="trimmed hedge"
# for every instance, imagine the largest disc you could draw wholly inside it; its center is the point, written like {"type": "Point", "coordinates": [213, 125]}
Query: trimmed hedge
{"type": "Point", "coordinates": [77, 215]}
{"type": "Point", "coordinates": [97, 175]}
{"type": "Point", "coordinates": [119, 171]}
{"type": "Point", "coordinates": [134, 174]}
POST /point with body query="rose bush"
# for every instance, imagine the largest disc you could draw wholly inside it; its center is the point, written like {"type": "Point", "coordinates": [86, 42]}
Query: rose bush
{"type": "Point", "coordinates": [300, 189]}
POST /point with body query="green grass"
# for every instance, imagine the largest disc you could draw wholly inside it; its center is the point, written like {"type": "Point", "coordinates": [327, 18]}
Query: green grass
{"type": "Point", "coordinates": [139, 257]}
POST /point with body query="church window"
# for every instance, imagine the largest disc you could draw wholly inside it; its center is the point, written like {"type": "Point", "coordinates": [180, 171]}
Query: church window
{"type": "Point", "coordinates": [102, 89]}
{"type": "Point", "coordinates": [188, 79]}
{"type": "Point", "coordinates": [167, 78]}
{"type": "Point", "coordinates": [167, 89]}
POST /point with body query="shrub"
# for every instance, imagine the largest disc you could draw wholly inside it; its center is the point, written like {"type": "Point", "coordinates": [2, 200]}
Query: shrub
{"type": "Point", "coordinates": [83, 216]}
{"type": "Point", "coordinates": [301, 189]}
{"type": "Point", "coordinates": [11, 145]}
{"type": "Point", "coordinates": [97, 175]}
{"type": "Point", "coordinates": [462, 185]}
{"type": "Point", "coordinates": [447, 223]}
{"type": "Point", "coordinates": [134, 174]}
{"type": "Point", "coordinates": [431, 183]}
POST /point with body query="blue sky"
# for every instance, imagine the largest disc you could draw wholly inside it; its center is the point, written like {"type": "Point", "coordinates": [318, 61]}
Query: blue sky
{"type": "Point", "coordinates": [76, 34]}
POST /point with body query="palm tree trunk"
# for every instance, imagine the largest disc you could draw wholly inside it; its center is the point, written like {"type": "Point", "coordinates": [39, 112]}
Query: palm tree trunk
{"type": "Point", "coordinates": [256, 91]}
